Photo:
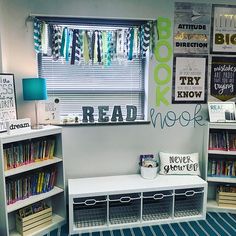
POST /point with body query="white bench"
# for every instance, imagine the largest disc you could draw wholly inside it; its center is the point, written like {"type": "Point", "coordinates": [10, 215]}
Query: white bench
{"type": "Point", "coordinates": [104, 203]}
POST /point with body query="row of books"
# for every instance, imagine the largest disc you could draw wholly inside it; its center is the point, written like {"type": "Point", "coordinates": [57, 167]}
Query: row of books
{"type": "Point", "coordinates": [25, 152]}
{"type": "Point", "coordinates": [226, 188]}
{"type": "Point", "coordinates": [32, 209]}
{"type": "Point", "coordinates": [221, 168]}
{"type": "Point", "coordinates": [33, 184]}
{"type": "Point", "coordinates": [222, 140]}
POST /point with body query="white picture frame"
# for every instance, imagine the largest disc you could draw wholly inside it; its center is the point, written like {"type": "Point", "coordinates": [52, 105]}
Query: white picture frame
{"type": "Point", "coordinates": [221, 111]}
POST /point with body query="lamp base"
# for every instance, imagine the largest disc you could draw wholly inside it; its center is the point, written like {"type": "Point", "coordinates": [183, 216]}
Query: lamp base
{"type": "Point", "coordinates": [36, 126]}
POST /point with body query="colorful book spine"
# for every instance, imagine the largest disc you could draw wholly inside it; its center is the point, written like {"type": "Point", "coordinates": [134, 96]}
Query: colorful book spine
{"type": "Point", "coordinates": [25, 152]}
{"type": "Point", "coordinates": [37, 183]}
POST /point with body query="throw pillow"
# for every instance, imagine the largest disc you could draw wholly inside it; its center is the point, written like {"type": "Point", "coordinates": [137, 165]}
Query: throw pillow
{"type": "Point", "coordinates": [184, 164]}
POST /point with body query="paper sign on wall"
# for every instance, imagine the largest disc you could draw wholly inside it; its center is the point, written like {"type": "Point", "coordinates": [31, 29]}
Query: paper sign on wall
{"type": "Point", "coordinates": [7, 100]}
{"type": "Point", "coordinates": [50, 111]}
{"type": "Point", "coordinates": [192, 27]}
{"type": "Point", "coordinates": [223, 33]}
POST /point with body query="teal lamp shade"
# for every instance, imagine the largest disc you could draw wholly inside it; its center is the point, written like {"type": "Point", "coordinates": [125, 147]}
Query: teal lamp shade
{"type": "Point", "coordinates": [34, 89]}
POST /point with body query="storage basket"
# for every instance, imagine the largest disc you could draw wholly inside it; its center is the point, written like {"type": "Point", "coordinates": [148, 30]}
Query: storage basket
{"type": "Point", "coordinates": [188, 202]}
{"type": "Point", "coordinates": [29, 224]}
{"type": "Point", "coordinates": [124, 208]}
{"type": "Point", "coordinates": [157, 205]}
{"type": "Point", "coordinates": [148, 172]}
{"type": "Point", "coordinates": [90, 212]}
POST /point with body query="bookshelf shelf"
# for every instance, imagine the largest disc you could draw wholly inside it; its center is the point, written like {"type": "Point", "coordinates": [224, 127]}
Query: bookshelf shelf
{"type": "Point", "coordinates": [212, 205]}
{"type": "Point", "coordinates": [31, 166]}
{"type": "Point", "coordinates": [220, 165]}
{"type": "Point", "coordinates": [220, 152]}
{"type": "Point", "coordinates": [34, 133]}
{"type": "Point", "coordinates": [43, 180]}
{"type": "Point", "coordinates": [23, 203]}
{"type": "Point", "coordinates": [222, 179]}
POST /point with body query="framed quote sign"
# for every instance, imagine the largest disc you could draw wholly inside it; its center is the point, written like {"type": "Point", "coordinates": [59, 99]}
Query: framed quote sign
{"type": "Point", "coordinates": [223, 77]}
{"type": "Point", "coordinates": [223, 29]}
{"type": "Point", "coordinates": [7, 100]}
{"type": "Point", "coordinates": [192, 28]}
{"type": "Point", "coordinates": [190, 79]}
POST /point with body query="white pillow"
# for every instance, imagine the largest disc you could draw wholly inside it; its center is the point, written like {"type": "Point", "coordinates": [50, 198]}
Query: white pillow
{"type": "Point", "coordinates": [179, 164]}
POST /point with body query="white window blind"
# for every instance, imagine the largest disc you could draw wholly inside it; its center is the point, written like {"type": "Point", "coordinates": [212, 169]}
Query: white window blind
{"type": "Point", "coordinates": [94, 85]}
{"type": "Point", "coordinates": [119, 84]}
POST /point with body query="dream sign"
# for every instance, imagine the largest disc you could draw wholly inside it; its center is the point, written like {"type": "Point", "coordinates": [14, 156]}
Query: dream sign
{"type": "Point", "coordinates": [18, 126]}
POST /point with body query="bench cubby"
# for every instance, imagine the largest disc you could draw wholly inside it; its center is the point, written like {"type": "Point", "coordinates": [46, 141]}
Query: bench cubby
{"type": "Point", "coordinates": [157, 205]}
{"type": "Point", "coordinates": [103, 203]}
{"type": "Point", "coordinates": [90, 212]}
{"type": "Point", "coordinates": [188, 202]}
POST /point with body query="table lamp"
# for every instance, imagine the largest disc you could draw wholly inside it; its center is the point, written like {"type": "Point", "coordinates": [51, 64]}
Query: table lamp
{"type": "Point", "coordinates": [34, 89]}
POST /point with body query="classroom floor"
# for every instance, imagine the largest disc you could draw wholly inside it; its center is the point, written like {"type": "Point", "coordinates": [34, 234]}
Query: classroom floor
{"type": "Point", "coordinates": [216, 224]}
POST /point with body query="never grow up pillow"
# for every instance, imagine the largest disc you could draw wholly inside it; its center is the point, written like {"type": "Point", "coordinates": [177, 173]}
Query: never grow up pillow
{"type": "Point", "coordinates": [179, 164]}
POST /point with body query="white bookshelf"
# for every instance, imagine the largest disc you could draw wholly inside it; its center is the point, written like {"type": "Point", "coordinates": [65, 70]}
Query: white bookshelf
{"type": "Point", "coordinates": [112, 202]}
{"type": "Point", "coordinates": [215, 180]}
{"type": "Point", "coordinates": [54, 197]}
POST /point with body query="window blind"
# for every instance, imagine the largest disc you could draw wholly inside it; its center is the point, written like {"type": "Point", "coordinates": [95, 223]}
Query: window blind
{"type": "Point", "coordinates": [121, 83]}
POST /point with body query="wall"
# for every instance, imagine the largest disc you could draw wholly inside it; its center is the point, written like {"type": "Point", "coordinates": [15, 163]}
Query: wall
{"type": "Point", "coordinates": [100, 150]}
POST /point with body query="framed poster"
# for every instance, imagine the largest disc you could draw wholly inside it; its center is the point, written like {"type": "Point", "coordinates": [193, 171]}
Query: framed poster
{"type": "Point", "coordinates": [7, 100]}
{"type": "Point", "coordinates": [223, 29]}
{"type": "Point", "coordinates": [190, 79]}
{"type": "Point", "coordinates": [192, 28]}
{"type": "Point", "coordinates": [221, 111]}
{"type": "Point", "coordinates": [223, 78]}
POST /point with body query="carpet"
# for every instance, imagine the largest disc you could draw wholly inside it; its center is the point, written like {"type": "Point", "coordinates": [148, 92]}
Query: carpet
{"type": "Point", "coordinates": [216, 224]}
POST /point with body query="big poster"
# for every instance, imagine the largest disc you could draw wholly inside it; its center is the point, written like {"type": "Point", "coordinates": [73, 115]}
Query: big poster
{"type": "Point", "coordinates": [190, 83]}
{"type": "Point", "coordinates": [223, 30]}
{"type": "Point", "coordinates": [192, 28]}
{"type": "Point", "coordinates": [223, 78]}
{"type": "Point", "coordinates": [7, 100]}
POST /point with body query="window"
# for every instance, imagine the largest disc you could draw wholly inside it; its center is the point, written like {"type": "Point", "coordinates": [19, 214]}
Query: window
{"type": "Point", "coordinates": [93, 83]}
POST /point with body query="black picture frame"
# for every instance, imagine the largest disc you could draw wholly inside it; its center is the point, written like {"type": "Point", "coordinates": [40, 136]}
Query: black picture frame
{"type": "Point", "coordinates": [204, 90]}
{"type": "Point", "coordinates": [222, 79]}
{"type": "Point", "coordinates": [8, 109]}
{"type": "Point", "coordinates": [221, 23]}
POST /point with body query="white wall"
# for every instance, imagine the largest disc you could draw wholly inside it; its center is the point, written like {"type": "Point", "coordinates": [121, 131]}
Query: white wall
{"type": "Point", "coordinates": [100, 150]}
